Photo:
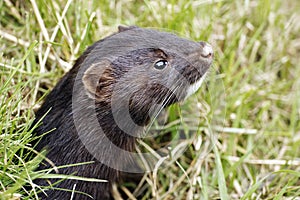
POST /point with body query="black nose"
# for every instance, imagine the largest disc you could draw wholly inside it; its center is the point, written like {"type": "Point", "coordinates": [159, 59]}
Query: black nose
{"type": "Point", "coordinates": [207, 51]}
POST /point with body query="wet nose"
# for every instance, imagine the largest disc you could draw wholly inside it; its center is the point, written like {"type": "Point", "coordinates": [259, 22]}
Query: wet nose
{"type": "Point", "coordinates": [207, 51]}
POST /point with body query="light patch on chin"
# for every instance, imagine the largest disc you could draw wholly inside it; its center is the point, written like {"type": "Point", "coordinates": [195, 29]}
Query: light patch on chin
{"type": "Point", "coordinates": [195, 86]}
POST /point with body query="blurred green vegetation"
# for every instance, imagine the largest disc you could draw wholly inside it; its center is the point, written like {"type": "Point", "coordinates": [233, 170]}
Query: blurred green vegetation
{"type": "Point", "coordinates": [245, 120]}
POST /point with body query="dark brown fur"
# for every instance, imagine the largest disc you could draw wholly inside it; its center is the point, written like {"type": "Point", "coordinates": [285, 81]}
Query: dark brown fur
{"type": "Point", "coordinates": [114, 69]}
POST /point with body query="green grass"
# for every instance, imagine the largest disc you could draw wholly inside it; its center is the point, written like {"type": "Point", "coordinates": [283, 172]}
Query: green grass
{"type": "Point", "coordinates": [245, 122]}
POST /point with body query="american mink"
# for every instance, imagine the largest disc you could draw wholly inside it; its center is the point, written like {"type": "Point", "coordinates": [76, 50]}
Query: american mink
{"type": "Point", "coordinates": [100, 108]}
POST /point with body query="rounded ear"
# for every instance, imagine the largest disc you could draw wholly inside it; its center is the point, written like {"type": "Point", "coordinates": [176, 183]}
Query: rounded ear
{"type": "Point", "coordinates": [125, 28]}
{"type": "Point", "coordinates": [97, 79]}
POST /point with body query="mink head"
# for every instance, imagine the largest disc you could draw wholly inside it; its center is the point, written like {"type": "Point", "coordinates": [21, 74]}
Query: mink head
{"type": "Point", "coordinates": [140, 71]}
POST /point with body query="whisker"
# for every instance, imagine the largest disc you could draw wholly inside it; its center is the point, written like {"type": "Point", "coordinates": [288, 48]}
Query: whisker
{"type": "Point", "coordinates": [165, 101]}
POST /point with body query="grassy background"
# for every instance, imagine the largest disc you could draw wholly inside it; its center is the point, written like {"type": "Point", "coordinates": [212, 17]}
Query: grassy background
{"type": "Point", "coordinates": [245, 120]}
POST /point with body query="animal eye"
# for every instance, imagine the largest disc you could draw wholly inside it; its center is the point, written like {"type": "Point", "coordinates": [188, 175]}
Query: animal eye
{"type": "Point", "coordinates": [161, 64]}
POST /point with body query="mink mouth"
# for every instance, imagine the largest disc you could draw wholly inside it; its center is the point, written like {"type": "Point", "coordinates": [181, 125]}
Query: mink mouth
{"type": "Point", "coordinates": [194, 87]}
{"type": "Point", "coordinates": [195, 75]}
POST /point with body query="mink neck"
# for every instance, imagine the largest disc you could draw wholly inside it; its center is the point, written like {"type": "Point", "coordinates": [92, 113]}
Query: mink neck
{"type": "Point", "coordinates": [121, 129]}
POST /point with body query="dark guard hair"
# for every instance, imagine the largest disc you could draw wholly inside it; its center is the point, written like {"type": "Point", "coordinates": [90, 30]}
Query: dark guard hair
{"type": "Point", "coordinates": [101, 106]}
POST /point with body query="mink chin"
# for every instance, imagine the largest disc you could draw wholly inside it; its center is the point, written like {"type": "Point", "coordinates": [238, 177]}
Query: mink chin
{"type": "Point", "coordinates": [103, 104]}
